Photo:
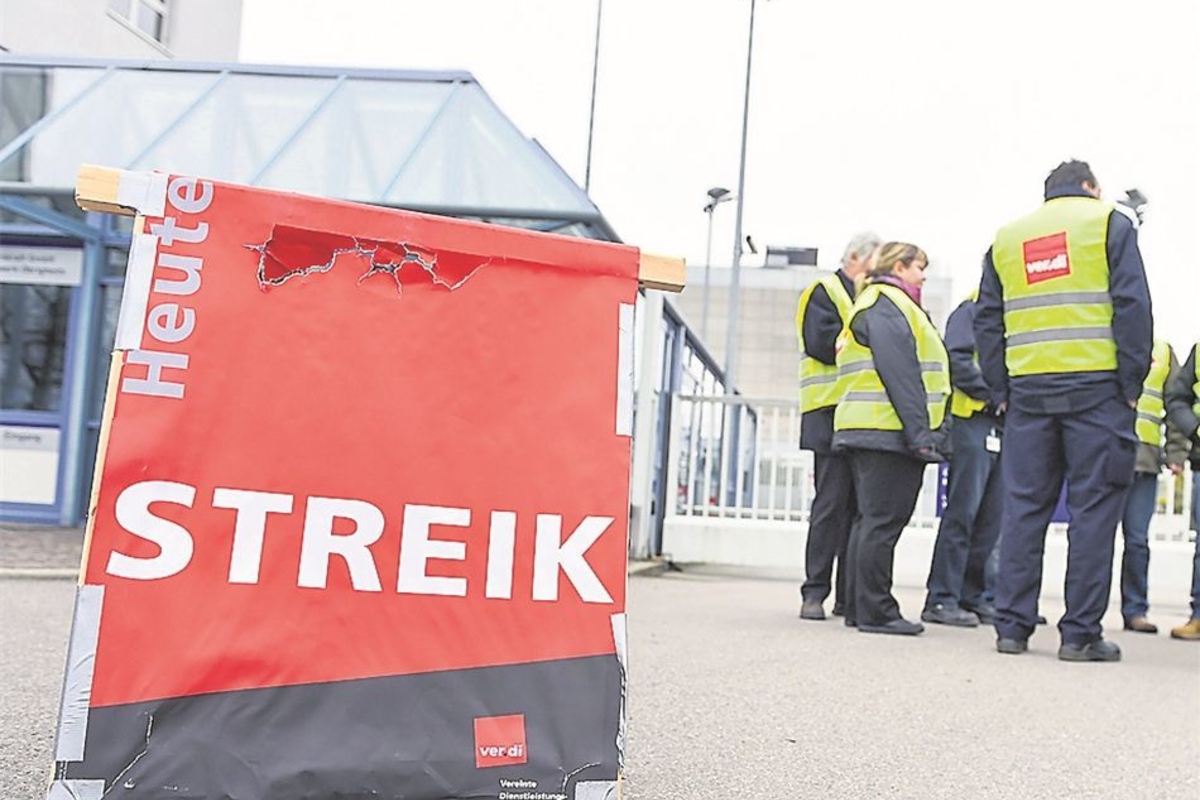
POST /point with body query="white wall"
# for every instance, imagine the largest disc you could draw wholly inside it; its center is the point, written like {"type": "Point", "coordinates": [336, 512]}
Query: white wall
{"type": "Point", "coordinates": [197, 30]}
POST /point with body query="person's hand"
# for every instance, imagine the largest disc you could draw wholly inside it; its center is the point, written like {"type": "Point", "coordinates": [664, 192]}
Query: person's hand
{"type": "Point", "coordinates": [1176, 469]}
{"type": "Point", "coordinates": [1132, 403]}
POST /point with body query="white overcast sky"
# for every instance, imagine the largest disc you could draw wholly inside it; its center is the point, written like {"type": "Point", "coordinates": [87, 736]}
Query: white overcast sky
{"type": "Point", "coordinates": [932, 121]}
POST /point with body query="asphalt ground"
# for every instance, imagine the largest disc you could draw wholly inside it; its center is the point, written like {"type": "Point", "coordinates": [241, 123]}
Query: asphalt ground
{"type": "Point", "coordinates": [731, 695]}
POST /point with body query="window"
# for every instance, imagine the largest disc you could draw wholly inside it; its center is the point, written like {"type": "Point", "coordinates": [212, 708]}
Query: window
{"type": "Point", "coordinates": [147, 16]}
{"type": "Point", "coordinates": [33, 337]}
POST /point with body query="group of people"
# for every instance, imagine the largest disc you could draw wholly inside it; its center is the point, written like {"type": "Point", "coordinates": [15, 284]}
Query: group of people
{"type": "Point", "coordinates": [1048, 382]}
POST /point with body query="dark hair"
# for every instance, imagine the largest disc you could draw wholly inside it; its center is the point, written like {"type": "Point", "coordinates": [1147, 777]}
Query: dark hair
{"type": "Point", "coordinates": [1072, 174]}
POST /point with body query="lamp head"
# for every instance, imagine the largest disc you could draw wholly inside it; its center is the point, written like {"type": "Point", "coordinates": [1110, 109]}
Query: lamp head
{"type": "Point", "coordinates": [717, 194]}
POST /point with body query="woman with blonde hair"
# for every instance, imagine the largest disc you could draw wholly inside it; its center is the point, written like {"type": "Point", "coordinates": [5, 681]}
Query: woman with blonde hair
{"type": "Point", "coordinates": [891, 420]}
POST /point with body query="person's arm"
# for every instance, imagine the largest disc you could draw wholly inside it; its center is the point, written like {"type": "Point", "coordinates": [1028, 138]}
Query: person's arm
{"type": "Point", "coordinates": [1181, 397]}
{"type": "Point", "coordinates": [1175, 450]}
{"type": "Point", "coordinates": [1132, 324]}
{"type": "Point", "coordinates": [960, 346]}
{"type": "Point", "coordinates": [989, 332]}
{"type": "Point", "coordinates": [894, 350]}
{"type": "Point", "coordinates": [821, 327]}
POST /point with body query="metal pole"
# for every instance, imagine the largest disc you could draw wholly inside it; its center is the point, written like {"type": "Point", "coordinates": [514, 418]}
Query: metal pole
{"type": "Point", "coordinates": [587, 171]}
{"type": "Point", "coordinates": [707, 272]}
{"type": "Point", "coordinates": [734, 278]}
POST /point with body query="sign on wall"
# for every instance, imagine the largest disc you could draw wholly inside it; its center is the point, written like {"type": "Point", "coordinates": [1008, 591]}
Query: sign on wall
{"type": "Point", "coordinates": [361, 517]}
{"type": "Point", "coordinates": [42, 266]}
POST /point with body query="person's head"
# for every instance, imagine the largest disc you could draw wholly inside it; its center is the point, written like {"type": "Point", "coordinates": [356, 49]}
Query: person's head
{"type": "Point", "coordinates": [1072, 175]}
{"type": "Point", "coordinates": [901, 260]}
{"type": "Point", "coordinates": [856, 258]}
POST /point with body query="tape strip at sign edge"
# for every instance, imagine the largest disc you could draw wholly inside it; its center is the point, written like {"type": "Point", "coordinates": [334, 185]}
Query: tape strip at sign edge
{"type": "Point", "coordinates": [625, 371]}
{"type": "Point", "coordinates": [77, 680]}
{"type": "Point", "coordinates": [85, 789]}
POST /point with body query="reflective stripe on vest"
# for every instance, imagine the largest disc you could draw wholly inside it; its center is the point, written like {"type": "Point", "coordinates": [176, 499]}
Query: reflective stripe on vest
{"type": "Point", "coordinates": [818, 382]}
{"type": "Point", "coordinates": [864, 402]}
{"type": "Point", "coordinates": [1150, 407]}
{"type": "Point", "coordinates": [1053, 271]}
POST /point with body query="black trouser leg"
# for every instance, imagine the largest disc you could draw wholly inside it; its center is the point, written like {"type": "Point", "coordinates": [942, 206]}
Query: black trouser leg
{"type": "Point", "coordinates": [887, 485]}
{"type": "Point", "coordinates": [829, 522]}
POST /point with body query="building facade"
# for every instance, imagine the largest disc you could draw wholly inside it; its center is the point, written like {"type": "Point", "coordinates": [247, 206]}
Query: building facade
{"type": "Point", "coordinates": [199, 30]}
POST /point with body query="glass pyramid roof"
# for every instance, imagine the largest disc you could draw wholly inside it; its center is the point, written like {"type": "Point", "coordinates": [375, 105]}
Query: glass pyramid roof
{"type": "Point", "coordinates": [431, 141]}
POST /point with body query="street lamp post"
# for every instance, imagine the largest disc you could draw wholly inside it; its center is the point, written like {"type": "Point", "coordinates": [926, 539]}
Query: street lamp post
{"type": "Point", "coordinates": [735, 276]}
{"type": "Point", "coordinates": [716, 196]}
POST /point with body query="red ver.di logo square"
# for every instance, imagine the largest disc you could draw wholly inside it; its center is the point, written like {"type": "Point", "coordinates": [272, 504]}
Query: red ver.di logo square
{"type": "Point", "coordinates": [500, 741]}
{"type": "Point", "coordinates": [1046, 258]}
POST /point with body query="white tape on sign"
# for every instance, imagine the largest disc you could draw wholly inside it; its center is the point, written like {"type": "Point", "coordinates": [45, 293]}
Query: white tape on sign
{"type": "Point", "coordinates": [145, 191]}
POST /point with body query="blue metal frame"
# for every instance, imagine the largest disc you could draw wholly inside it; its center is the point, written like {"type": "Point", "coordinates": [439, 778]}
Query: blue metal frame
{"type": "Point", "coordinates": [295, 134]}
{"type": "Point", "coordinates": [14, 147]}
{"type": "Point", "coordinates": [451, 93]}
{"type": "Point", "coordinates": [175, 123]}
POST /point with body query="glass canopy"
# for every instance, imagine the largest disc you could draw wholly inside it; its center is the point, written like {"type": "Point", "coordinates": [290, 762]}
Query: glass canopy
{"type": "Point", "coordinates": [430, 141]}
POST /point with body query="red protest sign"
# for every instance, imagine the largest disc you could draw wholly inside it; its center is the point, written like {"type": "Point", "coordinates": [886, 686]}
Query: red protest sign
{"type": "Point", "coordinates": [362, 494]}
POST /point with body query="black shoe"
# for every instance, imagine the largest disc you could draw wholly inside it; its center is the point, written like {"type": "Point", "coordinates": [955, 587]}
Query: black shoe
{"type": "Point", "coordinates": [811, 609]}
{"type": "Point", "coordinates": [1096, 650]}
{"type": "Point", "coordinates": [850, 622]}
{"type": "Point", "coordinates": [899, 627]}
{"type": "Point", "coordinates": [1041, 620]}
{"type": "Point", "coordinates": [1011, 647]}
{"type": "Point", "coordinates": [945, 615]}
{"type": "Point", "coordinates": [839, 610]}
{"type": "Point", "coordinates": [986, 612]}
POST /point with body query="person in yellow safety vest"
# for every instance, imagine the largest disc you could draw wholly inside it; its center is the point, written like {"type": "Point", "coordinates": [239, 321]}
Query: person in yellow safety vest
{"type": "Point", "coordinates": [970, 524]}
{"type": "Point", "coordinates": [891, 420]}
{"type": "Point", "coordinates": [1153, 451]}
{"type": "Point", "coordinates": [1064, 327]}
{"type": "Point", "coordinates": [822, 313]}
{"type": "Point", "coordinates": [1183, 408]}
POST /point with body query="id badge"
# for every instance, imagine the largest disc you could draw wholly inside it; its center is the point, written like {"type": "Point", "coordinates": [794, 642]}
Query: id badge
{"type": "Point", "coordinates": [992, 443]}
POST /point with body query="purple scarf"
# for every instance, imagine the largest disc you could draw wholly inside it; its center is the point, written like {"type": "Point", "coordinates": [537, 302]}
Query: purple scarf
{"type": "Point", "coordinates": [912, 291]}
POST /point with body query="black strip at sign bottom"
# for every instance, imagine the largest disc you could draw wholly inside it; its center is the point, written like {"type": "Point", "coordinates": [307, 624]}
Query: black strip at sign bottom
{"type": "Point", "coordinates": [540, 731]}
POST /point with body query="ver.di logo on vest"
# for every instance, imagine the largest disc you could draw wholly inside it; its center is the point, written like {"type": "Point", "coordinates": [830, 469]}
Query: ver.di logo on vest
{"type": "Point", "coordinates": [1046, 258]}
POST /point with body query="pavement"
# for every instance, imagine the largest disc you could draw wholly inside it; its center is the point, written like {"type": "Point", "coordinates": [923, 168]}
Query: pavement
{"type": "Point", "coordinates": [731, 696]}
{"type": "Point", "coordinates": [39, 551]}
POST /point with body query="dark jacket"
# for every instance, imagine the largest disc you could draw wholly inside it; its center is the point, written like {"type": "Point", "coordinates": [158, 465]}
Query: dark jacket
{"type": "Point", "coordinates": [821, 326]}
{"type": "Point", "coordinates": [884, 329]}
{"type": "Point", "coordinates": [965, 374]}
{"type": "Point", "coordinates": [1181, 399]}
{"type": "Point", "coordinates": [1132, 326]}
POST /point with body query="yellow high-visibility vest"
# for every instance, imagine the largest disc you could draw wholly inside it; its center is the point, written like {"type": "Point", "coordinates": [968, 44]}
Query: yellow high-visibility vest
{"type": "Point", "coordinates": [864, 402]}
{"type": "Point", "coordinates": [1053, 270]}
{"type": "Point", "coordinates": [961, 403]}
{"type": "Point", "coordinates": [818, 381]}
{"type": "Point", "coordinates": [1151, 409]}
{"type": "Point", "coordinates": [1196, 385]}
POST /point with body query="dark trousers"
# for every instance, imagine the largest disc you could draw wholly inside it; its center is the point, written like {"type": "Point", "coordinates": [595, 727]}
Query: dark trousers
{"type": "Point", "coordinates": [829, 521]}
{"type": "Point", "coordinates": [970, 522]}
{"type": "Point", "coordinates": [1135, 557]}
{"type": "Point", "coordinates": [1095, 449]}
{"type": "Point", "coordinates": [887, 485]}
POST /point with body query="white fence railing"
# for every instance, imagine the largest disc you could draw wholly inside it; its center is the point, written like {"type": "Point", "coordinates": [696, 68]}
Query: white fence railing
{"type": "Point", "coordinates": [739, 458]}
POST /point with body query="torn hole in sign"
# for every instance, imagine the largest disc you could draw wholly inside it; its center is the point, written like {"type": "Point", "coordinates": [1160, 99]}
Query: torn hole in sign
{"type": "Point", "coordinates": [291, 251]}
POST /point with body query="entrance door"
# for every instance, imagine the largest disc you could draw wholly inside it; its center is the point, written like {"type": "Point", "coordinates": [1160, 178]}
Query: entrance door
{"type": "Point", "coordinates": [38, 288]}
